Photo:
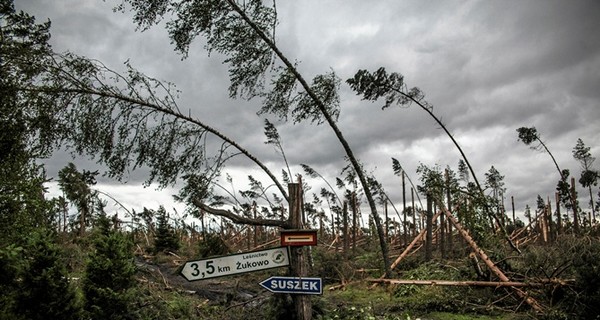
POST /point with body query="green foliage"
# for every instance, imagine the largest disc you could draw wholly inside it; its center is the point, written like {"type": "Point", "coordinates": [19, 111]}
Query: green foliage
{"type": "Point", "coordinates": [422, 299]}
{"type": "Point", "coordinates": [280, 307]}
{"type": "Point", "coordinates": [11, 267]}
{"type": "Point", "coordinates": [391, 87]}
{"type": "Point", "coordinates": [350, 312]}
{"type": "Point", "coordinates": [212, 245]}
{"type": "Point", "coordinates": [225, 32]}
{"type": "Point", "coordinates": [25, 130]}
{"type": "Point", "coordinates": [433, 298]}
{"type": "Point", "coordinates": [36, 275]}
{"type": "Point", "coordinates": [432, 181]}
{"type": "Point", "coordinates": [124, 121]}
{"type": "Point", "coordinates": [45, 282]}
{"type": "Point", "coordinates": [589, 176]}
{"type": "Point", "coordinates": [495, 181]}
{"type": "Point", "coordinates": [528, 136]}
{"type": "Point", "coordinates": [358, 301]}
{"type": "Point", "coordinates": [76, 187]}
{"type": "Point", "coordinates": [569, 258]}
{"type": "Point", "coordinates": [165, 239]}
{"type": "Point", "coordinates": [109, 281]}
{"type": "Point", "coordinates": [563, 188]}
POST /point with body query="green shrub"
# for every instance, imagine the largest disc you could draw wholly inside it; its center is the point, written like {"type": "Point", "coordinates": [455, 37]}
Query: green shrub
{"type": "Point", "coordinates": [212, 245]}
{"type": "Point", "coordinates": [569, 257]}
{"type": "Point", "coordinates": [166, 239]}
{"type": "Point", "coordinates": [108, 285]}
{"type": "Point", "coordinates": [36, 275]}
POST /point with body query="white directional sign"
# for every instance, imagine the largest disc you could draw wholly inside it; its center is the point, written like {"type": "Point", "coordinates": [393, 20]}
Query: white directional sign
{"type": "Point", "coordinates": [235, 264]}
{"type": "Point", "coordinates": [293, 285]}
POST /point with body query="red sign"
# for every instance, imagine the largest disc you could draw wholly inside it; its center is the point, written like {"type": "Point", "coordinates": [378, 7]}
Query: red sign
{"type": "Point", "coordinates": [295, 238]}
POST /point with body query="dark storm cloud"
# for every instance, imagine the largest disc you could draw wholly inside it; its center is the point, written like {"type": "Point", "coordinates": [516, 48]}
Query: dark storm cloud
{"type": "Point", "coordinates": [488, 67]}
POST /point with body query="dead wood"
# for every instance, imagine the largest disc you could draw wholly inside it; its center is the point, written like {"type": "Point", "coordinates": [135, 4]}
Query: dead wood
{"type": "Point", "coordinates": [459, 283]}
{"type": "Point", "coordinates": [491, 265]}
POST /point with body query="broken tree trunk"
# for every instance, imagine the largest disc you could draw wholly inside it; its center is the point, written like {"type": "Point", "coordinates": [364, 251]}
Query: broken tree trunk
{"type": "Point", "coordinates": [410, 246]}
{"type": "Point", "coordinates": [532, 302]}
{"type": "Point", "coordinates": [416, 240]}
{"type": "Point", "coordinates": [459, 283]}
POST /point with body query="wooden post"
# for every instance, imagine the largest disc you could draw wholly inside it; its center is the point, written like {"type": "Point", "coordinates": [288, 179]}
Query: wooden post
{"type": "Point", "coordinates": [298, 259]}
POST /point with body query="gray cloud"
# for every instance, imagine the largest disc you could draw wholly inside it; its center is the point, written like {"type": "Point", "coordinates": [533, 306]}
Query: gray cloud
{"type": "Point", "coordinates": [487, 67]}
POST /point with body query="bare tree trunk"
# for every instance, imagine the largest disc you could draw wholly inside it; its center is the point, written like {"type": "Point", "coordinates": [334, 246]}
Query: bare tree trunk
{"type": "Point", "coordinates": [449, 205]}
{"type": "Point", "coordinates": [358, 169]}
{"type": "Point", "coordinates": [574, 204]}
{"type": "Point", "coordinates": [551, 227]}
{"type": "Point", "coordinates": [354, 219]}
{"type": "Point", "coordinates": [386, 227]}
{"type": "Point", "coordinates": [429, 228]}
{"type": "Point", "coordinates": [512, 203]}
{"type": "Point", "coordinates": [532, 302]}
{"type": "Point", "coordinates": [558, 215]}
{"type": "Point", "coordinates": [416, 240]}
{"type": "Point", "coordinates": [593, 217]}
{"type": "Point", "coordinates": [459, 283]}
{"type": "Point", "coordinates": [82, 217]}
{"type": "Point", "coordinates": [346, 234]}
{"type": "Point", "coordinates": [414, 211]}
{"type": "Point", "coordinates": [544, 224]}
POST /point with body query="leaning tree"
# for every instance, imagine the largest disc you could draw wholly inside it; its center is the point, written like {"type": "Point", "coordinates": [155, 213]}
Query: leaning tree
{"type": "Point", "coordinates": [244, 33]}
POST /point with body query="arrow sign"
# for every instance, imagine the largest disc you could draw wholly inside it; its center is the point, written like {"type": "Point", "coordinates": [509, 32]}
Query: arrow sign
{"type": "Point", "coordinates": [293, 285]}
{"type": "Point", "coordinates": [235, 264]}
{"type": "Point", "coordinates": [306, 237]}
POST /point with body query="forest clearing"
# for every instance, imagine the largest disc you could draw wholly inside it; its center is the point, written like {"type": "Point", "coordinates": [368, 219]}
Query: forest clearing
{"type": "Point", "coordinates": [310, 229]}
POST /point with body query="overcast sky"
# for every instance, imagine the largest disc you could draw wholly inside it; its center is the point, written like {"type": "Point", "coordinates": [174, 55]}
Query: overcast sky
{"type": "Point", "coordinates": [487, 67]}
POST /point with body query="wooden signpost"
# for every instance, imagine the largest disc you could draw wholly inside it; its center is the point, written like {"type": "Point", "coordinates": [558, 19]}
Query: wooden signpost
{"type": "Point", "coordinates": [293, 285]}
{"type": "Point", "coordinates": [235, 264]}
{"type": "Point", "coordinates": [291, 253]}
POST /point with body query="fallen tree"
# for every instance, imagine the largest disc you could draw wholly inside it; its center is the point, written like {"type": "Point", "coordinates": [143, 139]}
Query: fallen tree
{"type": "Point", "coordinates": [471, 283]}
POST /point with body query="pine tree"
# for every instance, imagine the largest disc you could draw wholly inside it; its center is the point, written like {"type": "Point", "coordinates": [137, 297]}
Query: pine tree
{"type": "Point", "coordinates": [109, 285]}
{"type": "Point", "coordinates": [35, 274]}
{"type": "Point", "coordinates": [165, 239]}
{"type": "Point", "coordinates": [45, 282]}
{"type": "Point", "coordinates": [589, 176]}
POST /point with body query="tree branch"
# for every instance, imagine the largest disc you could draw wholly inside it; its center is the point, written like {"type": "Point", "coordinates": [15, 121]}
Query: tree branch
{"type": "Point", "coordinates": [237, 219]}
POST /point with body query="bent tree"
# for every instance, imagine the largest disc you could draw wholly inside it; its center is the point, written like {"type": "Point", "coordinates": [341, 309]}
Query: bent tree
{"type": "Point", "coordinates": [244, 32]}
{"type": "Point", "coordinates": [391, 87]}
{"type": "Point", "coordinates": [532, 138]}
{"type": "Point", "coordinates": [589, 176]}
{"type": "Point", "coordinates": [131, 121]}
